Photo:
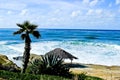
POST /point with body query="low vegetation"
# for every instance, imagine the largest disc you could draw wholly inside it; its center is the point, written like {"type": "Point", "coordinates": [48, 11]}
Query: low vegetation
{"type": "Point", "coordinates": [48, 67]}
{"type": "Point", "coordinates": [6, 75]}
{"type": "Point", "coordinates": [84, 76]}
{"type": "Point", "coordinates": [49, 64]}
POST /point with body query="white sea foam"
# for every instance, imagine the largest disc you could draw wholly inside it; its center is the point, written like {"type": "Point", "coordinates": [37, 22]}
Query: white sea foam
{"type": "Point", "coordinates": [3, 42]}
{"type": "Point", "coordinates": [87, 52]}
{"type": "Point", "coordinates": [17, 48]}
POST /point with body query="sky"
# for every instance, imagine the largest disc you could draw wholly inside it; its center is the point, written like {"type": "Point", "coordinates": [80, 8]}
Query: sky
{"type": "Point", "coordinates": [65, 14]}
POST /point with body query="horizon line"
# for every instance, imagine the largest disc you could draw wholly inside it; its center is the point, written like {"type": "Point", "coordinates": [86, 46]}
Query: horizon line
{"type": "Point", "coordinates": [65, 28]}
{"type": "Point", "coordinates": [68, 28]}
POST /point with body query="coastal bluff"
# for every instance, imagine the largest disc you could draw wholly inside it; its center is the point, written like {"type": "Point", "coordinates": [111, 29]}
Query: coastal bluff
{"type": "Point", "coordinates": [6, 64]}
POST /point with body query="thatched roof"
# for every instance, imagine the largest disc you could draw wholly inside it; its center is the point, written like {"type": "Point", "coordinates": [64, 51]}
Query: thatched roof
{"type": "Point", "coordinates": [62, 54]}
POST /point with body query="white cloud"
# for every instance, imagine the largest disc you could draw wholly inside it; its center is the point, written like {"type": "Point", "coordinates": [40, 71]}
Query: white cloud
{"type": "Point", "coordinates": [9, 12]}
{"type": "Point", "coordinates": [86, 1]}
{"type": "Point", "coordinates": [76, 13]}
{"type": "Point", "coordinates": [93, 3]}
{"type": "Point", "coordinates": [95, 12]}
{"type": "Point", "coordinates": [24, 12]}
{"type": "Point", "coordinates": [99, 11]}
{"type": "Point", "coordinates": [117, 2]}
{"type": "Point", "coordinates": [90, 12]}
{"type": "Point", "coordinates": [54, 20]}
{"type": "Point", "coordinates": [110, 15]}
{"type": "Point", "coordinates": [57, 11]}
{"type": "Point", "coordinates": [12, 6]}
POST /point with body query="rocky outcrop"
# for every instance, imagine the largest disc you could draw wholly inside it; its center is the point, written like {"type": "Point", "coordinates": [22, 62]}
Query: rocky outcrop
{"type": "Point", "coordinates": [32, 57]}
{"type": "Point", "coordinates": [18, 58]}
{"type": "Point", "coordinates": [6, 64]}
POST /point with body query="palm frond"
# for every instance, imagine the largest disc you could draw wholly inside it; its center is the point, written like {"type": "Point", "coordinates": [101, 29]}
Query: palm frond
{"type": "Point", "coordinates": [23, 36]}
{"type": "Point", "coordinates": [20, 25]}
{"type": "Point", "coordinates": [32, 27]}
{"type": "Point", "coordinates": [26, 24]}
{"type": "Point", "coordinates": [19, 31]}
{"type": "Point", "coordinates": [36, 34]}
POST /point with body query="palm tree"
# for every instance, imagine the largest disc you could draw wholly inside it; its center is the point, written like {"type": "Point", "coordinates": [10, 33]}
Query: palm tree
{"type": "Point", "coordinates": [25, 30]}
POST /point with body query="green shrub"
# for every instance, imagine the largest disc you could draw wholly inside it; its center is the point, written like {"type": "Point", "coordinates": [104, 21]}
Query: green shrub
{"type": "Point", "coordinates": [19, 76]}
{"type": "Point", "coordinates": [81, 76]}
{"type": "Point", "coordinates": [84, 76]}
{"type": "Point", "coordinates": [49, 64]}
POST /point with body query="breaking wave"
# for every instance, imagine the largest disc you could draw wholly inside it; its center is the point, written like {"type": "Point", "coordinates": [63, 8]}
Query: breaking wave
{"type": "Point", "coordinates": [87, 52]}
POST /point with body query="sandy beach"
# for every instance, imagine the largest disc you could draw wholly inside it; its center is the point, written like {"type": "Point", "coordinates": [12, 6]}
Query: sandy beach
{"type": "Point", "coordinates": [105, 72]}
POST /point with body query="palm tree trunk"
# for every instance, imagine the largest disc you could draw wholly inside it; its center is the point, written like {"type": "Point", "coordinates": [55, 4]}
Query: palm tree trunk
{"type": "Point", "coordinates": [26, 54]}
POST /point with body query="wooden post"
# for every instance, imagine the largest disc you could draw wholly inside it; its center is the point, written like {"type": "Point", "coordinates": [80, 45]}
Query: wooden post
{"type": "Point", "coordinates": [71, 61]}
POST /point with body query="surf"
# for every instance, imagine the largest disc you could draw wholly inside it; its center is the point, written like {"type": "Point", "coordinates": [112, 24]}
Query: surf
{"type": "Point", "coordinates": [87, 52]}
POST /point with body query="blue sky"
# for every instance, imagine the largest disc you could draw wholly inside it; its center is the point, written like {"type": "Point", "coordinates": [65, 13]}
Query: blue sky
{"type": "Point", "coordinates": [75, 14]}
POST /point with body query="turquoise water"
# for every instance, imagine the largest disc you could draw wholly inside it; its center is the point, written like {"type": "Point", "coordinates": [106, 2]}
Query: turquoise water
{"type": "Point", "coordinates": [90, 46]}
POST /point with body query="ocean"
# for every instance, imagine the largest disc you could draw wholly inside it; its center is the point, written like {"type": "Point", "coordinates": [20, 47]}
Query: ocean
{"type": "Point", "coordinates": [90, 46]}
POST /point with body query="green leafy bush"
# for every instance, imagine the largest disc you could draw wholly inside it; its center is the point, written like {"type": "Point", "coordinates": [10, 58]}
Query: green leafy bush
{"type": "Point", "coordinates": [19, 76]}
{"type": "Point", "coordinates": [49, 64]}
{"type": "Point", "coordinates": [6, 75]}
{"type": "Point", "coordinates": [84, 76]}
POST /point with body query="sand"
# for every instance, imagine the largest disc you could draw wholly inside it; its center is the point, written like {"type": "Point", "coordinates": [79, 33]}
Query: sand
{"type": "Point", "coordinates": [105, 72]}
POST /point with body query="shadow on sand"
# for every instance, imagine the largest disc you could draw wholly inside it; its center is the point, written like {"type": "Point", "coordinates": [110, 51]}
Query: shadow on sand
{"type": "Point", "coordinates": [76, 65]}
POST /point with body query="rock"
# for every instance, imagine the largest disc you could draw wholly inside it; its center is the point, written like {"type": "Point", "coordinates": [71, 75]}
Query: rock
{"type": "Point", "coordinates": [32, 57]}
{"type": "Point", "coordinates": [6, 64]}
{"type": "Point", "coordinates": [18, 58]}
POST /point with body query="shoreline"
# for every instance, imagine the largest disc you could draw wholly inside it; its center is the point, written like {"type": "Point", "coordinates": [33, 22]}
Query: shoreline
{"type": "Point", "coordinates": [19, 62]}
